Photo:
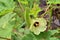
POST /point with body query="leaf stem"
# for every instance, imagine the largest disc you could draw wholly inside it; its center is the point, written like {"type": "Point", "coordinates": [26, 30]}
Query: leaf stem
{"type": "Point", "coordinates": [45, 11]}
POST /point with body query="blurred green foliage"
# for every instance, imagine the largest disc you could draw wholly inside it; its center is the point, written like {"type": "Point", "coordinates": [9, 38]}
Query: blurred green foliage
{"type": "Point", "coordinates": [16, 22]}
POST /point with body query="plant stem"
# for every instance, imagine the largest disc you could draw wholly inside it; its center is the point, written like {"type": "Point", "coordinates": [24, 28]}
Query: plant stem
{"type": "Point", "coordinates": [45, 11]}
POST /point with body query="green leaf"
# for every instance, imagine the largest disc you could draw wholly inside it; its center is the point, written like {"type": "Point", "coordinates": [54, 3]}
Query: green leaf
{"type": "Point", "coordinates": [29, 37]}
{"type": "Point", "coordinates": [5, 19]}
{"type": "Point", "coordinates": [35, 10]}
{"type": "Point", "coordinates": [7, 31]}
{"type": "Point", "coordinates": [2, 39]}
{"type": "Point", "coordinates": [25, 2]}
{"type": "Point", "coordinates": [53, 2]}
{"type": "Point", "coordinates": [30, 3]}
{"type": "Point", "coordinates": [38, 25]}
{"type": "Point", "coordinates": [52, 38]}
{"type": "Point", "coordinates": [6, 25]}
{"type": "Point", "coordinates": [20, 22]}
{"type": "Point", "coordinates": [6, 6]}
{"type": "Point", "coordinates": [46, 35]}
{"type": "Point", "coordinates": [27, 16]}
{"type": "Point", "coordinates": [52, 32]}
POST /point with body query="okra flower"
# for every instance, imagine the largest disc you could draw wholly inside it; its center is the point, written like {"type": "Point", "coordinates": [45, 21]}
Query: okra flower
{"type": "Point", "coordinates": [38, 25]}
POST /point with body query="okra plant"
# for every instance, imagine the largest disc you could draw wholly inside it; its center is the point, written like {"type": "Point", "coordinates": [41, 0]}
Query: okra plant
{"type": "Point", "coordinates": [29, 20]}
